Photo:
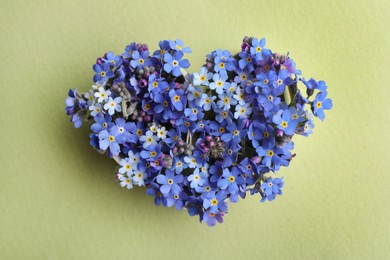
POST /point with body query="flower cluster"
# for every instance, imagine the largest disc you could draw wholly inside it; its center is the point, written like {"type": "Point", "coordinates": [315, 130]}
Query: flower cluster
{"type": "Point", "coordinates": [198, 141]}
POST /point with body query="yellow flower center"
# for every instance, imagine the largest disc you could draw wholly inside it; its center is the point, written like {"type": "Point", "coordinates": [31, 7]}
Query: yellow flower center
{"type": "Point", "coordinates": [103, 73]}
{"type": "Point", "coordinates": [176, 98]}
{"type": "Point", "coordinates": [111, 138]}
{"type": "Point", "coordinates": [231, 179]}
{"type": "Point", "coordinates": [139, 132]}
{"type": "Point", "coordinates": [270, 153]}
{"type": "Point", "coordinates": [284, 124]}
{"type": "Point", "coordinates": [318, 104]}
{"type": "Point", "coordinates": [170, 181]}
{"type": "Point", "coordinates": [202, 78]}
{"type": "Point", "coordinates": [153, 153]}
{"type": "Point", "coordinates": [214, 202]}
{"type": "Point", "coordinates": [141, 61]}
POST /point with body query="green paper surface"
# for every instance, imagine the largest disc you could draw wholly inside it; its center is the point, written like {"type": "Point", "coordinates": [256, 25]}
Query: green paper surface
{"type": "Point", "coordinates": [58, 197]}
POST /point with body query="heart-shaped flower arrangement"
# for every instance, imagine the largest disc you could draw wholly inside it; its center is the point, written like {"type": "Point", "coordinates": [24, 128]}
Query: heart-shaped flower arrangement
{"type": "Point", "coordinates": [199, 140]}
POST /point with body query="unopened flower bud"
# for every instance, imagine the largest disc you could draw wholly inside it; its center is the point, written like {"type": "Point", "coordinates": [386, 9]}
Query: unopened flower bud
{"type": "Point", "coordinates": [256, 159]}
{"type": "Point", "coordinates": [279, 132]}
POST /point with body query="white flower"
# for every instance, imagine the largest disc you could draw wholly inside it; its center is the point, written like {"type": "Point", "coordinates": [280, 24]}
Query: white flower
{"type": "Point", "coordinates": [113, 105]}
{"type": "Point", "coordinates": [148, 139]}
{"type": "Point", "coordinates": [162, 133]}
{"type": "Point", "coordinates": [242, 111]}
{"type": "Point", "coordinates": [96, 109]}
{"type": "Point", "coordinates": [126, 182]}
{"type": "Point", "coordinates": [202, 78]}
{"type": "Point", "coordinates": [139, 178]}
{"type": "Point", "coordinates": [134, 159]}
{"type": "Point", "coordinates": [153, 128]}
{"type": "Point", "coordinates": [191, 161]}
{"type": "Point", "coordinates": [240, 96]}
{"type": "Point", "coordinates": [127, 166]}
{"type": "Point", "coordinates": [90, 97]}
{"type": "Point", "coordinates": [102, 94]}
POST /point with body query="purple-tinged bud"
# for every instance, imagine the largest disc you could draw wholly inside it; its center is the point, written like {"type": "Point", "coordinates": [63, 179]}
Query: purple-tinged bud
{"type": "Point", "coordinates": [181, 150]}
{"type": "Point", "coordinates": [143, 83]}
{"type": "Point", "coordinates": [99, 61]}
{"type": "Point", "coordinates": [211, 144]}
{"type": "Point", "coordinates": [245, 46]}
{"type": "Point", "coordinates": [279, 132]}
{"type": "Point", "coordinates": [167, 161]}
{"type": "Point", "coordinates": [180, 143]}
{"type": "Point", "coordinates": [148, 118]}
{"type": "Point", "coordinates": [256, 159]}
{"type": "Point", "coordinates": [208, 138]}
{"type": "Point", "coordinates": [142, 47]}
{"type": "Point", "coordinates": [174, 150]}
{"type": "Point", "coordinates": [247, 122]}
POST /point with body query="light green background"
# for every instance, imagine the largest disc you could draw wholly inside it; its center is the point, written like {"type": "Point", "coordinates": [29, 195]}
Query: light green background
{"type": "Point", "coordinates": [58, 199]}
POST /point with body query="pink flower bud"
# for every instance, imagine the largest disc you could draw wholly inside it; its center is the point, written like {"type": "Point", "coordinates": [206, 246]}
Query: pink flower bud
{"type": "Point", "coordinates": [256, 159]}
{"type": "Point", "coordinates": [279, 132]}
